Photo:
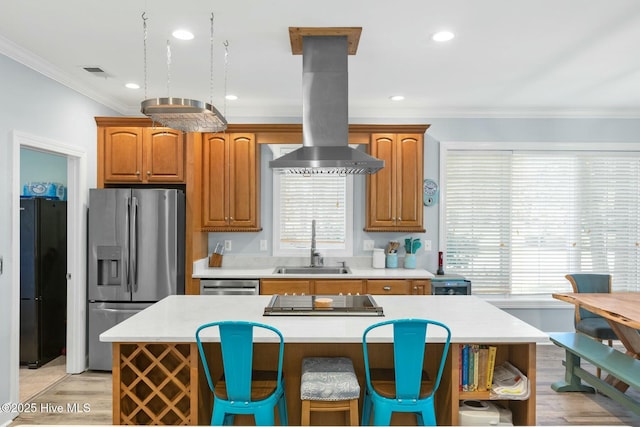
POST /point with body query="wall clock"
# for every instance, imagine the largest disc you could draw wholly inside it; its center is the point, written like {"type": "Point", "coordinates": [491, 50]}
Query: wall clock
{"type": "Point", "coordinates": [430, 192]}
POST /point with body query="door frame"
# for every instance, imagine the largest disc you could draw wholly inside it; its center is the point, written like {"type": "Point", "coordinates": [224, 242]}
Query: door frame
{"type": "Point", "coordinates": [76, 249]}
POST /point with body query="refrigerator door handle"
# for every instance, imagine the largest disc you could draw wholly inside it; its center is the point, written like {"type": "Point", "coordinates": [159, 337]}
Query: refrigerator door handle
{"type": "Point", "coordinates": [126, 258]}
{"type": "Point", "coordinates": [120, 310]}
{"type": "Point", "coordinates": [134, 244]}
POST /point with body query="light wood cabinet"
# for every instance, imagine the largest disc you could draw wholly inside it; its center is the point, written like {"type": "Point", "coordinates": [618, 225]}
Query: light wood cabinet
{"type": "Point", "coordinates": [141, 155]}
{"type": "Point", "coordinates": [337, 287]}
{"type": "Point", "coordinates": [394, 193]}
{"type": "Point", "coordinates": [285, 286]}
{"type": "Point", "coordinates": [345, 286]}
{"type": "Point", "coordinates": [230, 182]}
{"type": "Point", "coordinates": [398, 287]}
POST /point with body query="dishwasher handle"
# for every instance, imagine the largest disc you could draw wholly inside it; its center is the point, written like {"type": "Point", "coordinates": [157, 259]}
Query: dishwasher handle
{"type": "Point", "coordinates": [229, 287]}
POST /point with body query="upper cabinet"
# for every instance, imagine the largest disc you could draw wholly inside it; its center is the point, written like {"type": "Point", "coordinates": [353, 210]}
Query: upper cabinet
{"type": "Point", "coordinates": [394, 194]}
{"type": "Point", "coordinates": [141, 155]}
{"type": "Point", "coordinates": [230, 182]}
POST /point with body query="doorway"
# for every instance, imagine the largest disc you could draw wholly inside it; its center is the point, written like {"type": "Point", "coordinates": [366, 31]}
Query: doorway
{"type": "Point", "coordinates": [76, 248]}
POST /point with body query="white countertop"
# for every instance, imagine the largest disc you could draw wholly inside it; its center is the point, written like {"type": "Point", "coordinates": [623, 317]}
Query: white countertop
{"type": "Point", "coordinates": [201, 270]}
{"type": "Point", "coordinates": [176, 318]}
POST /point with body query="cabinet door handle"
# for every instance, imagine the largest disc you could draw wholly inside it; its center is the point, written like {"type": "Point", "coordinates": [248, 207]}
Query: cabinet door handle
{"type": "Point", "coordinates": [148, 173]}
{"type": "Point", "coordinates": [386, 288]}
{"type": "Point", "coordinates": [138, 173]}
{"type": "Point", "coordinates": [399, 219]}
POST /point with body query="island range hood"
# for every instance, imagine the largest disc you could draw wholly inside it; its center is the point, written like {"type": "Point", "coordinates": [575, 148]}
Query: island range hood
{"type": "Point", "coordinates": [325, 128]}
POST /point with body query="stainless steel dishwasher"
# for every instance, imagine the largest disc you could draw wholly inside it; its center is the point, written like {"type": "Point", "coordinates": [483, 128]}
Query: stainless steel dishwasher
{"type": "Point", "coordinates": [229, 287]}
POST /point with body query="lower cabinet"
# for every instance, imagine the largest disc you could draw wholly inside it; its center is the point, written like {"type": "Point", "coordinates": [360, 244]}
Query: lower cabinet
{"type": "Point", "coordinates": [336, 287]}
{"type": "Point", "coordinates": [346, 286]}
{"type": "Point", "coordinates": [285, 286]}
{"type": "Point", "coordinates": [399, 287]}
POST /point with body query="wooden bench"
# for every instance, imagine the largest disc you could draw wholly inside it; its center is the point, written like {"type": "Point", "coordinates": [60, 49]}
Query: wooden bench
{"type": "Point", "coordinates": [619, 365]}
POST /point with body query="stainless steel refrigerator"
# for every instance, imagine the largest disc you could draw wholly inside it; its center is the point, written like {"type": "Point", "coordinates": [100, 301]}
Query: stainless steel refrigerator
{"type": "Point", "coordinates": [135, 257]}
{"type": "Point", "coordinates": [43, 280]}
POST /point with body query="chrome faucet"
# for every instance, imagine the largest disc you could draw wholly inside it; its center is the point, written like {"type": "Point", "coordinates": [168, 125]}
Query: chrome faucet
{"type": "Point", "coordinates": [316, 259]}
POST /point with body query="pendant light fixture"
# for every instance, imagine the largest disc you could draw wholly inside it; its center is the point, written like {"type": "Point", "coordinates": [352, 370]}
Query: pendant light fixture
{"type": "Point", "coordinates": [187, 115]}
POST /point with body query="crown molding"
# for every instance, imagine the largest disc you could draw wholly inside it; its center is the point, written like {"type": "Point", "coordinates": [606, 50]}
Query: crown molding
{"type": "Point", "coordinates": [36, 63]}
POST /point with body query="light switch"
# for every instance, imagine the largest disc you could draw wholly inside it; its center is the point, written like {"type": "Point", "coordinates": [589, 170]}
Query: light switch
{"type": "Point", "coordinates": [427, 245]}
{"type": "Point", "coordinates": [368, 245]}
{"type": "Point", "coordinates": [263, 245]}
{"type": "Point", "coordinates": [227, 245]}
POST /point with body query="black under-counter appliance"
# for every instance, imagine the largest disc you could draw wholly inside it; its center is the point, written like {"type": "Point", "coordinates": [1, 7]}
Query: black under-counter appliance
{"type": "Point", "coordinates": [450, 284]}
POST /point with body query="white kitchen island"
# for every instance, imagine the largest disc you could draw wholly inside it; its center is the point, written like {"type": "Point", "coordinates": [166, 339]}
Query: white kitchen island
{"type": "Point", "coordinates": [157, 377]}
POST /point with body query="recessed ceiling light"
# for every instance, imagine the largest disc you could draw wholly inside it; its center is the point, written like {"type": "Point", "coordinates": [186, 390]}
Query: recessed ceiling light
{"type": "Point", "coordinates": [231, 97]}
{"type": "Point", "coordinates": [443, 36]}
{"type": "Point", "coordinates": [132, 86]}
{"type": "Point", "coordinates": [396, 98]}
{"type": "Point", "coordinates": [182, 34]}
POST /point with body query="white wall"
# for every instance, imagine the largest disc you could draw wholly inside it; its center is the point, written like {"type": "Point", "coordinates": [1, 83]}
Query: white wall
{"type": "Point", "coordinates": [36, 105]}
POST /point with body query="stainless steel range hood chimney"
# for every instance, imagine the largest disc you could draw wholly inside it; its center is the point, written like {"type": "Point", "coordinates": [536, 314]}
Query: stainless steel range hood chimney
{"type": "Point", "coordinates": [325, 128]}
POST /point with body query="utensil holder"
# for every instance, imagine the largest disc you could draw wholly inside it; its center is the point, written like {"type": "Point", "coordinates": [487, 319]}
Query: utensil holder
{"type": "Point", "coordinates": [410, 261]}
{"type": "Point", "coordinates": [392, 260]}
{"type": "Point", "coordinates": [215, 260]}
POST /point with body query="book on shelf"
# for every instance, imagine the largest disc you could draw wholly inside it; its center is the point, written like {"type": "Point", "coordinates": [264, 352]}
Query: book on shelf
{"type": "Point", "coordinates": [476, 367]}
{"type": "Point", "coordinates": [465, 367]}
{"type": "Point", "coordinates": [491, 363]}
{"type": "Point", "coordinates": [483, 360]}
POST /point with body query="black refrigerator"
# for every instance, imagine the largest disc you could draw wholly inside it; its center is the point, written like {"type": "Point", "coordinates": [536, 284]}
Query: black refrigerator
{"type": "Point", "coordinates": [43, 280]}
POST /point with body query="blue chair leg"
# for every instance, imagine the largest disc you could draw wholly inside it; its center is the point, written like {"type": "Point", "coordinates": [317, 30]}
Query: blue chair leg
{"type": "Point", "coordinates": [218, 418]}
{"type": "Point", "coordinates": [381, 414]}
{"type": "Point", "coordinates": [264, 416]}
{"type": "Point", "coordinates": [282, 410]}
{"type": "Point", "coordinates": [366, 409]}
{"type": "Point", "coordinates": [428, 418]}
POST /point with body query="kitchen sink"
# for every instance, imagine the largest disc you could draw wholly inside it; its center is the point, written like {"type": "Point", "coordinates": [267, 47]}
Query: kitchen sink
{"type": "Point", "coordinates": [312, 270]}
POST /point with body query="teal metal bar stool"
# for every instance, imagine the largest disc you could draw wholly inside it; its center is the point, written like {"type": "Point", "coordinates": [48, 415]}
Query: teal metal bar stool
{"type": "Point", "coordinates": [405, 388]}
{"type": "Point", "coordinates": [243, 390]}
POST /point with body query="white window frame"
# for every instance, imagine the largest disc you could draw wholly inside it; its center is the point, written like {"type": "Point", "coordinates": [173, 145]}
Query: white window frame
{"type": "Point", "coordinates": [446, 146]}
{"type": "Point", "coordinates": [278, 250]}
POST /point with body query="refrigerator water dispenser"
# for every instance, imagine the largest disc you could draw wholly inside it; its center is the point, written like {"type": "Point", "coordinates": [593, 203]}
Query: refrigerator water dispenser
{"type": "Point", "coordinates": [109, 271]}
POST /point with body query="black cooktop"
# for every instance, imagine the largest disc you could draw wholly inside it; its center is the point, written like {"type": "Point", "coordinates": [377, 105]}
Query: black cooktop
{"type": "Point", "coordinates": [306, 305]}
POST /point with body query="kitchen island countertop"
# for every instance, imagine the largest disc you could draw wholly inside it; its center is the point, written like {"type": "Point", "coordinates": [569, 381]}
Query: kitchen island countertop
{"type": "Point", "coordinates": [175, 319]}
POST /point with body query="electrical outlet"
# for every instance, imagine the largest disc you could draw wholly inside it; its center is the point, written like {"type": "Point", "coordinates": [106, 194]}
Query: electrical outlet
{"type": "Point", "coordinates": [367, 245]}
{"type": "Point", "coordinates": [263, 245]}
{"type": "Point", "coordinates": [427, 245]}
{"type": "Point", "coordinates": [227, 245]}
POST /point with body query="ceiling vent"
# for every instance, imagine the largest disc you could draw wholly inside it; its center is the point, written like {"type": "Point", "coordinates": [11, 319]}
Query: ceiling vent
{"type": "Point", "coordinates": [96, 71]}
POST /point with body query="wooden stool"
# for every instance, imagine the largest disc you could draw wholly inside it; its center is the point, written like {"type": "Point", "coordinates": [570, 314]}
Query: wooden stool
{"type": "Point", "coordinates": [329, 384]}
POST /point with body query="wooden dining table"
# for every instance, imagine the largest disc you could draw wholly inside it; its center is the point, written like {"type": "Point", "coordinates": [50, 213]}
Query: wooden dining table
{"type": "Point", "coordinates": [622, 311]}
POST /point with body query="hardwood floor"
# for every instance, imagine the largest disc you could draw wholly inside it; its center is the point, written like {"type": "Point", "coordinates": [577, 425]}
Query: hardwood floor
{"type": "Point", "coordinates": [553, 409]}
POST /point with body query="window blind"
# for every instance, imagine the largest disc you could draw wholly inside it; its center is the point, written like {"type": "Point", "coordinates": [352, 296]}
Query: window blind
{"type": "Point", "coordinates": [305, 198]}
{"type": "Point", "coordinates": [516, 222]}
{"type": "Point", "coordinates": [299, 199]}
